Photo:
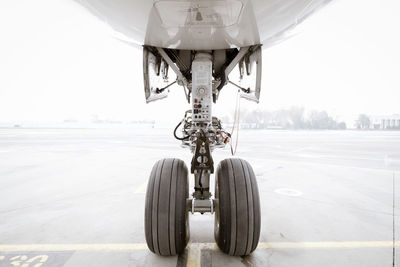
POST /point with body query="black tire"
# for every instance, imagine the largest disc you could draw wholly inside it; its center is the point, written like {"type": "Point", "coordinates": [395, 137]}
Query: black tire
{"type": "Point", "coordinates": [166, 218]}
{"type": "Point", "coordinates": [237, 216]}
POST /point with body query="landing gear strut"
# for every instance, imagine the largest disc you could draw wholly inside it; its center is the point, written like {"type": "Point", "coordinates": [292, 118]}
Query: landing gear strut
{"type": "Point", "coordinates": [236, 204]}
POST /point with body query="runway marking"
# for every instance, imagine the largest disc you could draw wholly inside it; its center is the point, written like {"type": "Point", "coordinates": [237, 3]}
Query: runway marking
{"type": "Point", "coordinates": [288, 192]}
{"type": "Point", "coordinates": [300, 149]}
{"type": "Point", "coordinates": [116, 142]}
{"type": "Point", "coordinates": [194, 249]}
{"type": "Point", "coordinates": [195, 246]}
{"type": "Point", "coordinates": [311, 156]}
{"type": "Point", "coordinates": [302, 163]}
{"type": "Point", "coordinates": [194, 253]}
{"type": "Point", "coordinates": [73, 247]}
{"type": "Point", "coordinates": [328, 244]}
{"type": "Point", "coordinates": [141, 189]}
{"type": "Point", "coordinates": [26, 261]}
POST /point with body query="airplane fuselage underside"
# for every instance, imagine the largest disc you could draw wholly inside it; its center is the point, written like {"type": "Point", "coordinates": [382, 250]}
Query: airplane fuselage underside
{"type": "Point", "coordinates": [203, 25]}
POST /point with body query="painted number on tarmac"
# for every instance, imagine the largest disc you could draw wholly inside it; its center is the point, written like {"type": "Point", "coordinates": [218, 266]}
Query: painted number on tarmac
{"type": "Point", "coordinates": [34, 258]}
{"type": "Point", "coordinates": [24, 261]}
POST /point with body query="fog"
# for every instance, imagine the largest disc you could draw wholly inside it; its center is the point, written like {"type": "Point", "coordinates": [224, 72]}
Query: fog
{"type": "Point", "coordinates": [58, 63]}
{"type": "Point", "coordinates": [78, 142]}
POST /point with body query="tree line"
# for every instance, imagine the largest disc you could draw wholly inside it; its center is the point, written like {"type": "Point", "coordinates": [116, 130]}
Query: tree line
{"type": "Point", "coordinates": [291, 118]}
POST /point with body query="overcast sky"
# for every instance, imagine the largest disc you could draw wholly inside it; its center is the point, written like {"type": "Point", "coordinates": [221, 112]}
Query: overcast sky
{"type": "Point", "coordinates": [57, 61]}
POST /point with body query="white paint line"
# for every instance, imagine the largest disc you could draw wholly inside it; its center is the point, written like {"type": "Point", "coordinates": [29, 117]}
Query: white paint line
{"type": "Point", "coordinates": [300, 149]}
{"type": "Point", "coordinates": [116, 142]}
{"type": "Point", "coordinates": [310, 163]}
{"type": "Point", "coordinates": [310, 156]}
{"type": "Point", "coordinates": [288, 192]}
{"type": "Point", "coordinates": [142, 188]}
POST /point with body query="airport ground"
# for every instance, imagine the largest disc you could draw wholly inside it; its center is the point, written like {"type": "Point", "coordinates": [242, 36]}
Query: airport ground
{"type": "Point", "coordinates": [75, 197]}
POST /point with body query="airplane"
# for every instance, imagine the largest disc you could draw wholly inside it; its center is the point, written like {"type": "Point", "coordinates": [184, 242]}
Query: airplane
{"type": "Point", "coordinates": [202, 42]}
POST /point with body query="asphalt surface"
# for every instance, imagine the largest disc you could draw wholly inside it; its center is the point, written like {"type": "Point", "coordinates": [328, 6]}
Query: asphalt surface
{"type": "Point", "coordinates": [75, 197]}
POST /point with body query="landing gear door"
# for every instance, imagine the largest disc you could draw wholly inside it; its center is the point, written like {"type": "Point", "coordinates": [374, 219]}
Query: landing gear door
{"type": "Point", "coordinates": [250, 74]}
{"type": "Point", "coordinates": [155, 76]}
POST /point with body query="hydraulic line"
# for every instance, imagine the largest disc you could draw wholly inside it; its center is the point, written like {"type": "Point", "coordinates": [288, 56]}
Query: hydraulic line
{"type": "Point", "coordinates": [200, 183]}
{"type": "Point", "coordinates": [176, 128]}
{"type": "Point", "coordinates": [201, 170]}
{"type": "Point", "coordinates": [236, 121]}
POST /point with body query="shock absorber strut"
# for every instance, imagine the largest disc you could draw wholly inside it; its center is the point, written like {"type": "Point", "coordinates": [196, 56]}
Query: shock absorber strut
{"type": "Point", "coordinates": [202, 162]}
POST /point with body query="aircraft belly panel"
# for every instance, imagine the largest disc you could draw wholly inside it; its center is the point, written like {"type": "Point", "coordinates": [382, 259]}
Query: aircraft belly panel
{"type": "Point", "coordinates": [276, 18]}
{"type": "Point", "coordinates": [203, 25]}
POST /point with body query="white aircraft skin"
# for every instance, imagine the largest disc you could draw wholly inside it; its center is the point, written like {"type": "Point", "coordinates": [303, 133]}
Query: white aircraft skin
{"type": "Point", "coordinates": [203, 25]}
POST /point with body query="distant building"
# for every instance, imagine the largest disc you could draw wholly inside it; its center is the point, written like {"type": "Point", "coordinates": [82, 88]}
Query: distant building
{"type": "Point", "coordinates": [385, 122]}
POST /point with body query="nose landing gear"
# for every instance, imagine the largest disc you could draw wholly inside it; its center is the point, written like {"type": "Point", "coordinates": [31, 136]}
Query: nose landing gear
{"type": "Point", "coordinates": [236, 204]}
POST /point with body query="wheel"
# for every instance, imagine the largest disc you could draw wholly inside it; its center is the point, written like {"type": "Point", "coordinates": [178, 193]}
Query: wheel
{"type": "Point", "coordinates": [166, 218]}
{"type": "Point", "coordinates": [237, 215]}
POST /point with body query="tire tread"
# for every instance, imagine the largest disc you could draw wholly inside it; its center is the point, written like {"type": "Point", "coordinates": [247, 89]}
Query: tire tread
{"type": "Point", "coordinates": [165, 209]}
{"type": "Point", "coordinates": [239, 208]}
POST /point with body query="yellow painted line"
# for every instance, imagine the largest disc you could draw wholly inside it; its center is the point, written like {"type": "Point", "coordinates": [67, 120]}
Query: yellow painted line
{"type": "Point", "coordinates": [194, 253]}
{"type": "Point", "coordinates": [73, 247]}
{"type": "Point", "coordinates": [328, 244]}
{"type": "Point", "coordinates": [194, 249]}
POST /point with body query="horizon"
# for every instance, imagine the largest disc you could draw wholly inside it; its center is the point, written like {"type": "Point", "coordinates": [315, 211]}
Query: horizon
{"type": "Point", "coordinates": [75, 66]}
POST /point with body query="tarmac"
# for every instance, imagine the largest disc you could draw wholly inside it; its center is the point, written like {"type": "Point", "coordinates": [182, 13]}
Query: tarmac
{"type": "Point", "coordinates": [75, 197]}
